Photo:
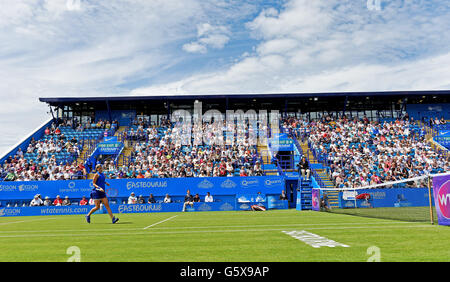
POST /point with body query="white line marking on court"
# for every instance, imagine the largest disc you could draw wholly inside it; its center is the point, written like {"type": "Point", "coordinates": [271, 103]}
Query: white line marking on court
{"type": "Point", "coordinates": [314, 240]}
{"type": "Point", "coordinates": [160, 221]}
{"type": "Point", "coordinates": [22, 221]}
{"type": "Point", "coordinates": [304, 225]}
{"type": "Point", "coordinates": [203, 231]}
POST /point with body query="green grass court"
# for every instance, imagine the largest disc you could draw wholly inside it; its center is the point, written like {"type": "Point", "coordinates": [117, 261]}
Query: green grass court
{"type": "Point", "coordinates": [235, 236]}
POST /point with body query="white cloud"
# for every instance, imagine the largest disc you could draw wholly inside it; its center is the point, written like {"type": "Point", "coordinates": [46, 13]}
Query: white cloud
{"type": "Point", "coordinates": [208, 36]}
{"type": "Point", "coordinates": [85, 48]}
{"type": "Point", "coordinates": [301, 19]}
{"type": "Point", "coordinates": [311, 46]}
{"type": "Point", "coordinates": [277, 46]}
{"type": "Point", "coordinates": [194, 47]}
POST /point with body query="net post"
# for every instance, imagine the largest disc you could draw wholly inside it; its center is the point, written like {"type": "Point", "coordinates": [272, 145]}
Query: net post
{"type": "Point", "coordinates": [430, 202]}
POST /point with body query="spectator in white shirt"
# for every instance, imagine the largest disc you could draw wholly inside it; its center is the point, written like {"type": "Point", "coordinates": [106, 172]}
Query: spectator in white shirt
{"type": "Point", "coordinates": [132, 199]}
{"type": "Point", "coordinates": [47, 201]}
{"type": "Point", "coordinates": [36, 201]}
{"type": "Point", "coordinates": [167, 199]}
{"type": "Point", "coordinates": [208, 198]}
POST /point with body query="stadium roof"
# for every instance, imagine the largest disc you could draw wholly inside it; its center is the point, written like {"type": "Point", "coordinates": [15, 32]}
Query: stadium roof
{"type": "Point", "coordinates": [62, 100]}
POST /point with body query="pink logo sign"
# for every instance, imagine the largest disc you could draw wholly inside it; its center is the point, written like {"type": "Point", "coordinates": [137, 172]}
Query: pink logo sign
{"type": "Point", "coordinates": [444, 199]}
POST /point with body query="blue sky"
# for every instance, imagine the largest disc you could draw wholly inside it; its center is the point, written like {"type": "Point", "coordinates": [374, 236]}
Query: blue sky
{"type": "Point", "coordinates": [139, 47]}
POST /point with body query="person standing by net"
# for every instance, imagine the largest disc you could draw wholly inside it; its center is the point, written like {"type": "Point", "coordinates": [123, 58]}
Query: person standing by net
{"type": "Point", "coordinates": [324, 202]}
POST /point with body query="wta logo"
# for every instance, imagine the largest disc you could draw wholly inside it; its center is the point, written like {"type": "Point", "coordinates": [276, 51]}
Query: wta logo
{"type": "Point", "coordinates": [315, 201]}
{"type": "Point", "coordinates": [443, 197]}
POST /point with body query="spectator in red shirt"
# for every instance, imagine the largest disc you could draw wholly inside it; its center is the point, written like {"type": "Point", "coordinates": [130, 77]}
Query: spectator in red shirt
{"type": "Point", "coordinates": [58, 201]}
{"type": "Point", "coordinates": [222, 171]}
{"type": "Point", "coordinates": [83, 201]}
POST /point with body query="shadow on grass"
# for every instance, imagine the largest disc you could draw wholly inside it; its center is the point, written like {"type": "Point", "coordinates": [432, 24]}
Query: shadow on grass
{"type": "Point", "coordinates": [109, 223]}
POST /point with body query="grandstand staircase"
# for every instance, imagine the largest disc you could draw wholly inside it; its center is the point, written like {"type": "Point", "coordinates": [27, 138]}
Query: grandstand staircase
{"type": "Point", "coordinates": [308, 153]}
{"type": "Point", "coordinates": [430, 133]}
{"type": "Point", "coordinates": [120, 130]}
{"type": "Point", "coordinates": [117, 134]}
{"type": "Point", "coordinates": [263, 150]}
{"type": "Point", "coordinates": [126, 153]}
{"type": "Point", "coordinates": [333, 196]}
{"type": "Point", "coordinates": [269, 168]}
{"type": "Point", "coordinates": [84, 151]}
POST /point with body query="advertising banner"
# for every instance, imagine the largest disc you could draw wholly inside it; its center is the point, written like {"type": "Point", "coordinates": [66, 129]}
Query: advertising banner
{"type": "Point", "coordinates": [110, 139]}
{"type": "Point", "coordinates": [109, 148]}
{"type": "Point", "coordinates": [173, 207]}
{"type": "Point", "coordinates": [245, 201]}
{"type": "Point", "coordinates": [281, 142]}
{"type": "Point", "coordinates": [274, 202]}
{"type": "Point", "coordinates": [315, 194]}
{"type": "Point", "coordinates": [116, 209]}
{"type": "Point", "coordinates": [441, 192]}
{"type": "Point", "coordinates": [390, 197]}
{"type": "Point", "coordinates": [37, 211]}
{"type": "Point", "coordinates": [15, 190]}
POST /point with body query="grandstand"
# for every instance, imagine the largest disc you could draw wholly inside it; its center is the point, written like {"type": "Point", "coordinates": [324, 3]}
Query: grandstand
{"type": "Point", "coordinates": [299, 146]}
{"type": "Point", "coordinates": [137, 138]}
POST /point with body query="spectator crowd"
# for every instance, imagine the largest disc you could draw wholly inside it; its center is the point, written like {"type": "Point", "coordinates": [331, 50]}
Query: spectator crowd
{"type": "Point", "coordinates": [51, 158]}
{"type": "Point", "coordinates": [360, 152]}
{"type": "Point", "coordinates": [163, 152]}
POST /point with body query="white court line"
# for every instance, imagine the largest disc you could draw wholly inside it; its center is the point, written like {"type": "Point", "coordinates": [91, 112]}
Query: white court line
{"type": "Point", "coordinates": [305, 225]}
{"type": "Point", "coordinates": [204, 231]}
{"type": "Point", "coordinates": [314, 240]}
{"type": "Point", "coordinates": [22, 221]}
{"type": "Point", "coordinates": [160, 221]}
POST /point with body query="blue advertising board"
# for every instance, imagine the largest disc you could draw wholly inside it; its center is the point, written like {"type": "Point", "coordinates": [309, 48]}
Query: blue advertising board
{"type": "Point", "coordinates": [110, 139]}
{"type": "Point", "coordinates": [246, 201]}
{"type": "Point", "coordinates": [173, 207]}
{"type": "Point", "coordinates": [146, 186]}
{"type": "Point", "coordinates": [108, 148]}
{"type": "Point", "coordinates": [281, 142]}
{"type": "Point", "coordinates": [37, 211]}
{"type": "Point", "coordinates": [274, 202]}
{"type": "Point", "coordinates": [126, 208]}
{"type": "Point", "coordinates": [389, 197]}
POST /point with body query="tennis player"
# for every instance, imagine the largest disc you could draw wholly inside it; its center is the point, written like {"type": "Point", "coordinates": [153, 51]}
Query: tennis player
{"type": "Point", "coordinates": [99, 195]}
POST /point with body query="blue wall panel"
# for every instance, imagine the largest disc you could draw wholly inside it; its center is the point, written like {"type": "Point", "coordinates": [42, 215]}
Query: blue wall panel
{"type": "Point", "coordinates": [156, 186]}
